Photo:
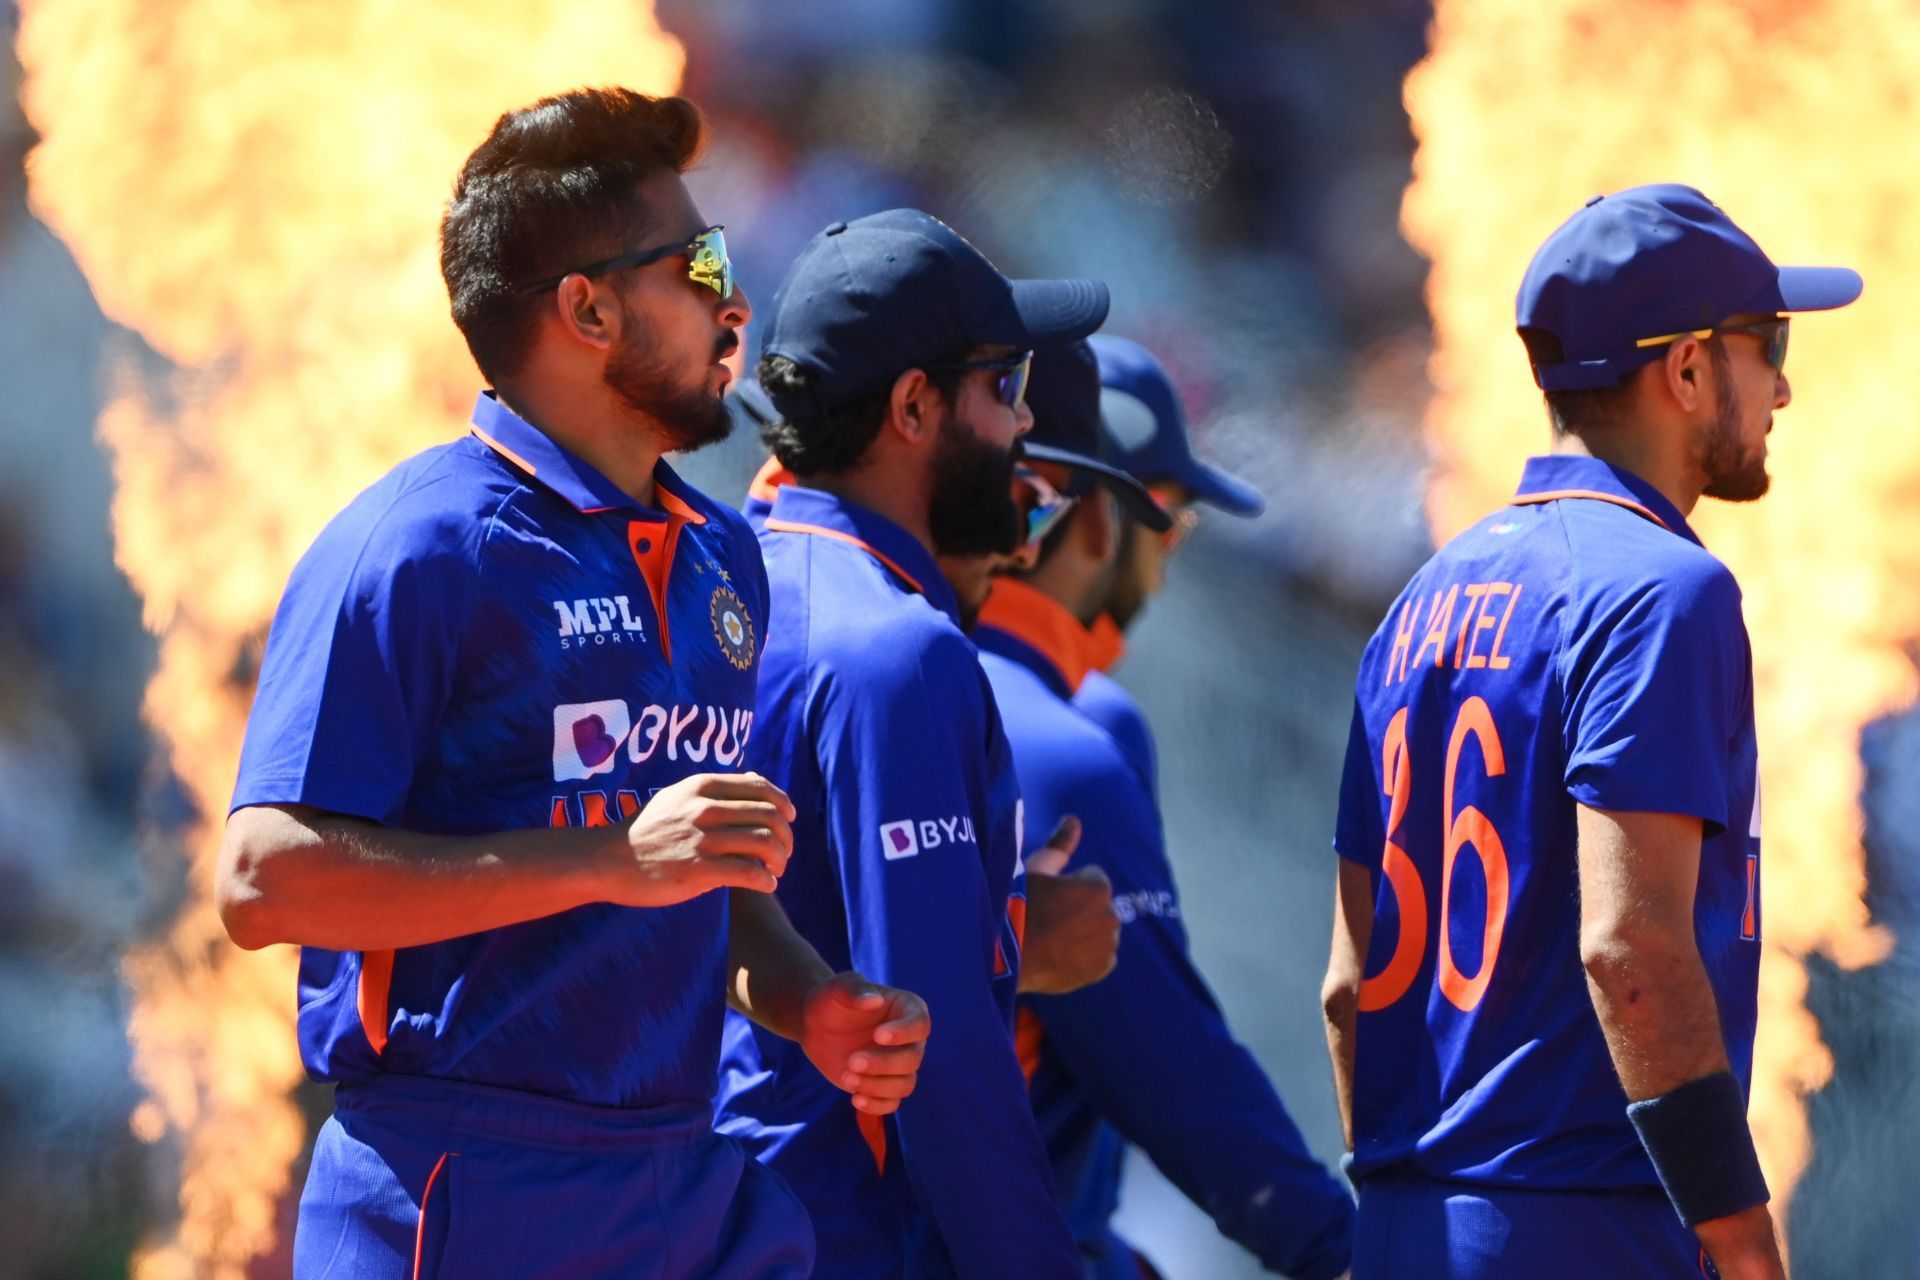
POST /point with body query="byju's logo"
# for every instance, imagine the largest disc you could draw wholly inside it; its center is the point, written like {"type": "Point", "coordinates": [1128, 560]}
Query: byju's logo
{"type": "Point", "coordinates": [896, 840]}
{"type": "Point", "coordinates": [905, 839]}
{"type": "Point", "coordinates": [600, 620]}
{"type": "Point", "coordinates": [587, 738]}
{"type": "Point", "coordinates": [590, 737]}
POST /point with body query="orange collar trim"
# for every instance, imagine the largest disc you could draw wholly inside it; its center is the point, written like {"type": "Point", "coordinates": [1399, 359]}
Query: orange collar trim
{"type": "Point", "coordinates": [1529, 499]}
{"type": "Point", "coordinates": [767, 481]}
{"type": "Point", "coordinates": [821, 531]}
{"type": "Point", "coordinates": [1036, 619]}
{"type": "Point", "coordinates": [1109, 642]}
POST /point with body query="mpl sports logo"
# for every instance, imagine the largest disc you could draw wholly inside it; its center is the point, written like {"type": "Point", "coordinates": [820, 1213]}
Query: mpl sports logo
{"type": "Point", "coordinates": [598, 620]}
{"type": "Point", "coordinates": [909, 837]}
{"type": "Point", "coordinates": [590, 738]}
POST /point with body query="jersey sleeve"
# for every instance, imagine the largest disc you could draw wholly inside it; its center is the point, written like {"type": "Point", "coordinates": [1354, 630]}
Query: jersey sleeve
{"type": "Point", "coordinates": [903, 760]}
{"type": "Point", "coordinates": [1151, 1050]}
{"type": "Point", "coordinates": [358, 668]}
{"type": "Point", "coordinates": [1360, 828]}
{"type": "Point", "coordinates": [1654, 679]}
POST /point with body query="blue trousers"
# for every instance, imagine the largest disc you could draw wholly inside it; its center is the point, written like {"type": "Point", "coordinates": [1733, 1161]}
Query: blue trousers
{"type": "Point", "coordinates": [417, 1179]}
{"type": "Point", "coordinates": [1411, 1228]}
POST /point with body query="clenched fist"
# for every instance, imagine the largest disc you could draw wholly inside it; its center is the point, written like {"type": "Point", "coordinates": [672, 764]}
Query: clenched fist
{"type": "Point", "coordinates": [1073, 935]}
{"type": "Point", "coordinates": [710, 831]}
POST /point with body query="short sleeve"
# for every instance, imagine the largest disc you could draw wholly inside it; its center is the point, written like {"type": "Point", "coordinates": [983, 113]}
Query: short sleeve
{"type": "Point", "coordinates": [1359, 830]}
{"type": "Point", "coordinates": [358, 668]}
{"type": "Point", "coordinates": [1655, 682]}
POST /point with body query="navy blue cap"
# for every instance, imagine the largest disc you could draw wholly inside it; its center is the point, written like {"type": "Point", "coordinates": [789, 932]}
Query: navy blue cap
{"type": "Point", "coordinates": [1063, 391]}
{"type": "Point", "coordinates": [867, 300]}
{"type": "Point", "coordinates": [1643, 263]}
{"type": "Point", "coordinates": [1147, 428]}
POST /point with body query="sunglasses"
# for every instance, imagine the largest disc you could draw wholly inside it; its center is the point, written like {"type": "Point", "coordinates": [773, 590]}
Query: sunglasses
{"type": "Point", "coordinates": [1011, 386]}
{"type": "Point", "coordinates": [707, 263]}
{"type": "Point", "coordinates": [1043, 505]}
{"type": "Point", "coordinates": [1774, 331]}
{"type": "Point", "coordinates": [1184, 518]}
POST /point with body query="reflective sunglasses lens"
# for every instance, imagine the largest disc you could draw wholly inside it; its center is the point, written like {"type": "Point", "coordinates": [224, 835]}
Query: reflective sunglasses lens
{"type": "Point", "coordinates": [1044, 518]}
{"type": "Point", "coordinates": [709, 264]}
{"type": "Point", "coordinates": [1013, 383]}
{"type": "Point", "coordinates": [1777, 348]}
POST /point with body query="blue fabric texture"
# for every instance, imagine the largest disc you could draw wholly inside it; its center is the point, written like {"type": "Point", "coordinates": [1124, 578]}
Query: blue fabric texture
{"type": "Point", "coordinates": [876, 719]}
{"type": "Point", "coordinates": [1146, 1055]}
{"type": "Point", "coordinates": [1414, 1229]}
{"type": "Point", "coordinates": [474, 1181]}
{"type": "Point", "coordinates": [1577, 647]}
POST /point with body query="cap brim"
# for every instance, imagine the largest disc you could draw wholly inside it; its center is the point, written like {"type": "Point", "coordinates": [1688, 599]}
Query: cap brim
{"type": "Point", "coordinates": [1053, 311]}
{"type": "Point", "coordinates": [1132, 494]}
{"type": "Point", "coordinates": [1817, 288]}
{"type": "Point", "coordinates": [1218, 489]}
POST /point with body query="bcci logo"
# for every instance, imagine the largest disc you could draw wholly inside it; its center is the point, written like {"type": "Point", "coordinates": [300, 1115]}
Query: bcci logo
{"type": "Point", "coordinates": [732, 627]}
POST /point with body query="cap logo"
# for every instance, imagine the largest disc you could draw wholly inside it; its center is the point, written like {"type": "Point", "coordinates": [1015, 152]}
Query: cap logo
{"type": "Point", "coordinates": [1129, 421]}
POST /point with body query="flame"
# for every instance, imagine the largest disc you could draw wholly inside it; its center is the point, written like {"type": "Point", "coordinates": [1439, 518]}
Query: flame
{"type": "Point", "coordinates": [1785, 112]}
{"type": "Point", "coordinates": [255, 189]}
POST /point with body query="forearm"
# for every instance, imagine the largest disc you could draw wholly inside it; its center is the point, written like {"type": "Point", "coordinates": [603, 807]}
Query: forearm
{"type": "Point", "coordinates": [770, 967]}
{"type": "Point", "coordinates": [345, 884]}
{"type": "Point", "coordinates": [1340, 992]}
{"type": "Point", "coordinates": [1656, 1009]}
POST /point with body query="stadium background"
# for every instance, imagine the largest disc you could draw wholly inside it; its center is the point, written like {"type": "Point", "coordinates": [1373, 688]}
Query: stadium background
{"type": "Point", "coordinates": [1235, 171]}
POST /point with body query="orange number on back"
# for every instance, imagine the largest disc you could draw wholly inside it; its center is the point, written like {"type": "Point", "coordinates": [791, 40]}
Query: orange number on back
{"type": "Point", "coordinates": [1409, 892]}
{"type": "Point", "coordinates": [1469, 827]}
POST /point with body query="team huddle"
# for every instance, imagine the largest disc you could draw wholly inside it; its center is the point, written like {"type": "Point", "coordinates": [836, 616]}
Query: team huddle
{"type": "Point", "coordinates": [690, 891]}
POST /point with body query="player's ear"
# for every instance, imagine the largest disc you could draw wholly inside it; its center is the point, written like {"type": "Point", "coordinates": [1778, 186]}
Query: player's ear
{"type": "Point", "coordinates": [1683, 373]}
{"type": "Point", "coordinates": [1096, 523]}
{"type": "Point", "coordinates": [913, 407]}
{"type": "Point", "coordinates": [586, 312]}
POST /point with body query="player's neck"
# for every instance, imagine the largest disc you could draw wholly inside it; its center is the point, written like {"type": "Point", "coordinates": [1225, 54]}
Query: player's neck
{"type": "Point", "coordinates": [1642, 455]}
{"type": "Point", "coordinates": [586, 427]}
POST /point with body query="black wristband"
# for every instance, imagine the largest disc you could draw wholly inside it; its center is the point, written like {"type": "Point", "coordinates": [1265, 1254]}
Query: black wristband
{"type": "Point", "coordinates": [1698, 1139]}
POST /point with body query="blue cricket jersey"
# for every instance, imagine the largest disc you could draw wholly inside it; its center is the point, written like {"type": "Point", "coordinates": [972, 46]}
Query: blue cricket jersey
{"type": "Point", "coordinates": [1579, 647]}
{"type": "Point", "coordinates": [877, 720]}
{"type": "Point", "coordinates": [1146, 1054]}
{"type": "Point", "coordinates": [495, 637]}
{"type": "Point", "coordinates": [1106, 702]}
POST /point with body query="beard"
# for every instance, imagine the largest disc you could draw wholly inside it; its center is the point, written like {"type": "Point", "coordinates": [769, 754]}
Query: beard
{"type": "Point", "coordinates": [973, 511]}
{"type": "Point", "coordinates": [688, 418]}
{"type": "Point", "coordinates": [1734, 472]}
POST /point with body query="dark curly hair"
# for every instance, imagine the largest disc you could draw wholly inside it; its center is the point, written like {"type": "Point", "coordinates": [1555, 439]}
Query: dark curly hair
{"type": "Point", "coordinates": [833, 440]}
{"type": "Point", "coordinates": [552, 186]}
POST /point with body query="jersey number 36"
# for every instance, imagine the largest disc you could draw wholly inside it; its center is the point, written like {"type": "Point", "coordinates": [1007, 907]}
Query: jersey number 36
{"type": "Point", "coordinates": [1466, 828]}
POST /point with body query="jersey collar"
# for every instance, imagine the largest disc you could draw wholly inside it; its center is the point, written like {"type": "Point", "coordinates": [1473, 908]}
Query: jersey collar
{"type": "Point", "coordinates": [800, 510]}
{"type": "Point", "coordinates": [586, 489]}
{"type": "Point", "coordinates": [1554, 477]}
{"type": "Point", "coordinates": [1045, 628]}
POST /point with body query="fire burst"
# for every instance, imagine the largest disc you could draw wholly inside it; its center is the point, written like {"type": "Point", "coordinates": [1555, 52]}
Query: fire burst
{"type": "Point", "coordinates": [255, 189]}
{"type": "Point", "coordinates": [1784, 112]}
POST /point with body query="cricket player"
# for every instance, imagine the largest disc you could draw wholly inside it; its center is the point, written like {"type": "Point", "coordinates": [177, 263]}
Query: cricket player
{"type": "Point", "coordinates": [896, 359]}
{"type": "Point", "coordinates": [493, 779]}
{"type": "Point", "coordinates": [1145, 1056]}
{"type": "Point", "coordinates": [1541, 997]}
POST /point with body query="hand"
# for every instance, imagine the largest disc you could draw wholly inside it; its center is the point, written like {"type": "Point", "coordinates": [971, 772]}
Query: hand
{"type": "Point", "coordinates": [710, 831]}
{"type": "Point", "coordinates": [1743, 1245]}
{"type": "Point", "coordinates": [1073, 935]}
{"type": "Point", "coordinates": [865, 1038]}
